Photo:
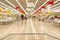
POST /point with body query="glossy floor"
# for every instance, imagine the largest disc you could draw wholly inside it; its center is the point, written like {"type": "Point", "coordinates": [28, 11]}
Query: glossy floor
{"type": "Point", "coordinates": [30, 26]}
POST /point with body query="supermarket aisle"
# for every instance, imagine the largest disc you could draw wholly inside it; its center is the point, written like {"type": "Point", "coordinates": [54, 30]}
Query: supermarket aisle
{"type": "Point", "coordinates": [30, 26]}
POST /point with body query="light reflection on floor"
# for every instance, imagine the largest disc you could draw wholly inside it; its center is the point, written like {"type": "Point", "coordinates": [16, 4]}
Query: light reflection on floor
{"type": "Point", "coordinates": [30, 26]}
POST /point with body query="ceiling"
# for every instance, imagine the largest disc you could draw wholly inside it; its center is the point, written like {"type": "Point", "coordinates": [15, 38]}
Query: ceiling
{"type": "Point", "coordinates": [23, 3]}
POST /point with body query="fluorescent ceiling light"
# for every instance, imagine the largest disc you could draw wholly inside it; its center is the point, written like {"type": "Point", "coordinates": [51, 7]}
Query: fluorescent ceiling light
{"type": "Point", "coordinates": [35, 4]}
{"type": "Point", "coordinates": [56, 7]}
{"type": "Point", "coordinates": [10, 3]}
{"type": "Point", "coordinates": [21, 6]}
{"type": "Point", "coordinates": [2, 6]}
{"type": "Point", "coordinates": [5, 7]}
{"type": "Point", "coordinates": [50, 5]}
{"type": "Point", "coordinates": [8, 6]}
{"type": "Point", "coordinates": [41, 6]}
{"type": "Point", "coordinates": [26, 2]}
{"type": "Point", "coordinates": [54, 3]}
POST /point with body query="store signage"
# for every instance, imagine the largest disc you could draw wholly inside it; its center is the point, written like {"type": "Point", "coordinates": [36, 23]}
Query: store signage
{"type": "Point", "coordinates": [31, 5]}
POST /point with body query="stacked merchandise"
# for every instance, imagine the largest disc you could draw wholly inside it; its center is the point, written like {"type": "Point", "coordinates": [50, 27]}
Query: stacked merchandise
{"type": "Point", "coordinates": [6, 16]}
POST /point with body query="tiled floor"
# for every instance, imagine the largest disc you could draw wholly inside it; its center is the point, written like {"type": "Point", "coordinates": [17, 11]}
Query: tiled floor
{"type": "Point", "coordinates": [30, 26]}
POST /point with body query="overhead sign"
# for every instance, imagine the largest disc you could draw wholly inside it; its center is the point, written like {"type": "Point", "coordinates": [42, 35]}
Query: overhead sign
{"type": "Point", "coordinates": [30, 4]}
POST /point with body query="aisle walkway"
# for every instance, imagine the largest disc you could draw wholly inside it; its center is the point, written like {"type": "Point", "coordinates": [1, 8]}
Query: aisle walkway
{"type": "Point", "coordinates": [30, 26]}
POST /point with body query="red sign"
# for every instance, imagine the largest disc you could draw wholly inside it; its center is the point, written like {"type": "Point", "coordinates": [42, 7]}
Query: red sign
{"type": "Point", "coordinates": [55, 16]}
{"type": "Point", "coordinates": [50, 2]}
{"type": "Point", "coordinates": [19, 9]}
{"type": "Point", "coordinates": [43, 7]}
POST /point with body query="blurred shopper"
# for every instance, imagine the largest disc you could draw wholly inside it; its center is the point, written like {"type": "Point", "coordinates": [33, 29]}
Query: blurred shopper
{"type": "Point", "coordinates": [23, 17]}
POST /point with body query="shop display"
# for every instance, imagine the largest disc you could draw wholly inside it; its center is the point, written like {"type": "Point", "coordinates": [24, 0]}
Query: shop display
{"type": "Point", "coordinates": [0, 9]}
{"type": "Point", "coordinates": [7, 16]}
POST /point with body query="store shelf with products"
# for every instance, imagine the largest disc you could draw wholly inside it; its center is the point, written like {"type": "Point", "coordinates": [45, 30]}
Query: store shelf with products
{"type": "Point", "coordinates": [7, 16]}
